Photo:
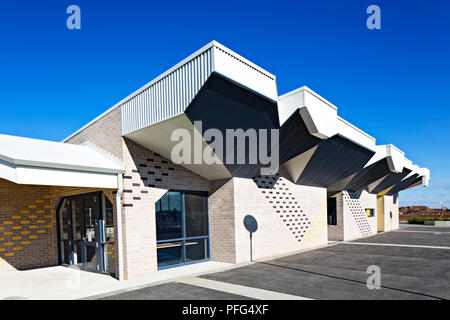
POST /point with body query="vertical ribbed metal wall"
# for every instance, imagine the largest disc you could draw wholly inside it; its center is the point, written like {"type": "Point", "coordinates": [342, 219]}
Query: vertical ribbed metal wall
{"type": "Point", "coordinates": [168, 96]}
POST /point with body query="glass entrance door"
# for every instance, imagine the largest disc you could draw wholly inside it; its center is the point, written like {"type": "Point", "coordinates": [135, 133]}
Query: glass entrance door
{"type": "Point", "coordinates": [182, 228]}
{"type": "Point", "coordinates": [84, 242]}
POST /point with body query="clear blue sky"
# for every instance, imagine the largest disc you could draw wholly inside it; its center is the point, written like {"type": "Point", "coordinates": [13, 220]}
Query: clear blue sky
{"type": "Point", "coordinates": [393, 83]}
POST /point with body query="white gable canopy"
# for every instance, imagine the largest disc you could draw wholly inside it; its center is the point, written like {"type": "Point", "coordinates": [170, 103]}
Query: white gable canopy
{"type": "Point", "coordinates": [40, 162]}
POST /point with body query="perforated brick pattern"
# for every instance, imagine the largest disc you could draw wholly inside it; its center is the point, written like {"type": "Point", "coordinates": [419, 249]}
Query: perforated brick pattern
{"type": "Point", "coordinates": [351, 200]}
{"type": "Point", "coordinates": [284, 204]}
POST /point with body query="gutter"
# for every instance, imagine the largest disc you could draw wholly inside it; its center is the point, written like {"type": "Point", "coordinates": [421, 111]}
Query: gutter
{"type": "Point", "coordinates": [119, 224]}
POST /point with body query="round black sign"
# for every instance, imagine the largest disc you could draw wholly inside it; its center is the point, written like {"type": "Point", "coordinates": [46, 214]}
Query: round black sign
{"type": "Point", "coordinates": [250, 223]}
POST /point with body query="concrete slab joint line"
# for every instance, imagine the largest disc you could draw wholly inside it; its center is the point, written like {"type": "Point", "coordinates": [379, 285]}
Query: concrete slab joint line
{"type": "Point", "coordinates": [250, 292]}
{"type": "Point", "coordinates": [396, 245]}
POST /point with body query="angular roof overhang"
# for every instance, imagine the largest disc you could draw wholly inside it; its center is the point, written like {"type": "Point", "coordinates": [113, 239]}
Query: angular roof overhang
{"type": "Point", "coordinates": [220, 104]}
{"type": "Point", "coordinates": [335, 159]}
{"type": "Point", "coordinates": [312, 121]}
{"type": "Point", "coordinates": [369, 175]}
{"type": "Point", "coordinates": [317, 147]}
{"type": "Point", "coordinates": [39, 162]}
{"type": "Point", "coordinates": [310, 126]}
{"type": "Point", "coordinates": [389, 182]}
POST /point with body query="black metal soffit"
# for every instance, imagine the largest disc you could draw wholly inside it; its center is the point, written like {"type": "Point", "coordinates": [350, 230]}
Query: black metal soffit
{"type": "Point", "coordinates": [403, 184]}
{"type": "Point", "coordinates": [369, 175]}
{"type": "Point", "coordinates": [336, 158]}
{"type": "Point", "coordinates": [295, 138]}
{"type": "Point", "coordinates": [391, 180]}
{"type": "Point", "coordinates": [224, 104]}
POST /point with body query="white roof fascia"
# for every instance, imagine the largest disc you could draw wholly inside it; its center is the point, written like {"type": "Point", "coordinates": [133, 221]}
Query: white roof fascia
{"type": "Point", "coordinates": [396, 157]}
{"type": "Point", "coordinates": [320, 116]}
{"type": "Point", "coordinates": [353, 133]}
{"type": "Point", "coordinates": [56, 177]}
{"type": "Point", "coordinates": [21, 151]}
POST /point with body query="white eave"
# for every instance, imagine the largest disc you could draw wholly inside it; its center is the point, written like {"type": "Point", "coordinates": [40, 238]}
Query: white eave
{"type": "Point", "coordinates": [40, 162]}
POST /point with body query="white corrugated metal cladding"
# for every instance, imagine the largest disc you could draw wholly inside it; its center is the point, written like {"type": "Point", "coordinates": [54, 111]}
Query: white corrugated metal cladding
{"type": "Point", "coordinates": [170, 94]}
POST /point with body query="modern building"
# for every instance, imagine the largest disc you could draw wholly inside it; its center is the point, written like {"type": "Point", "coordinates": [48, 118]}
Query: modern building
{"type": "Point", "coordinates": [111, 197]}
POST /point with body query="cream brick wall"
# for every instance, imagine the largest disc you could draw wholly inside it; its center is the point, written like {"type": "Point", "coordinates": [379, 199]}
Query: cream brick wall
{"type": "Point", "coordinates": [290, 218]}
{"type": "Point", "coordinates": [356, 224]}
{"type": "Point", "coordinates": [105, 133]}
{"type": "Point", "coordinates": [390, 205]}
{"type": "Point", "coordinates": [222, 231]}
{"type": "Point", "coordinates": [148, 177]}
{"type": "Point", "coordinates": [297, 222]}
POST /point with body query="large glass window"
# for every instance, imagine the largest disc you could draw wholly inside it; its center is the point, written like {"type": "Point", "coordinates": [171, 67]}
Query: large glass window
{"type": "Point", "coordinates": [182, 228]}
{"type": "Point", "coordinates": [196, 217]}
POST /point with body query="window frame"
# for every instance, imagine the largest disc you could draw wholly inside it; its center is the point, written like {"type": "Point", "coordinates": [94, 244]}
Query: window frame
{"type": "Point", "coordinates": [371, 214]}
{"type": "Point", "coordinates": [183, 238]}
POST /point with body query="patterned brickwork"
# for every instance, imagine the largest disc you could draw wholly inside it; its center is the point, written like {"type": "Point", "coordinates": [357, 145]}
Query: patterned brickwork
{"type": "Point", "coordinates": [28, 235]}
{"type": "Point", "coordinates": [279, 196]}
{"type": "Point", "coordinates": [356, 222]}
{"type": "Point", "coordinates": [148, 177]}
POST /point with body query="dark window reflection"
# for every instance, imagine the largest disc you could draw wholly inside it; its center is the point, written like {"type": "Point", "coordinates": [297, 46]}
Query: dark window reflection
{"type": "Point", "coordinates": [196, 249]}
{"type": "Point", "coordinates": [168, 217]}
{"type": "Point", "coordinates": [181, 228]}
{"type": "Point", "coordinates": [196, 215]}
{"type": "Point", "coordinates": [170, 253]}
{"type": "Point", "coordinates": [332, 211]}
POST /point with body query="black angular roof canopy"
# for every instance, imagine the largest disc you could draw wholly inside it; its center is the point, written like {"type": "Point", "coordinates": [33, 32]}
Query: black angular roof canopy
{"type": "Point", "coordinates": [391, 180]}
{"type": "Point", "coordinates": [403, 184]}
{"type": "Point", "coordinates": [369, 175]}
{"type": "Point", "coordinates": [295, 138]}
{"type": "Point", "coordinates": [336, 158]}
{"type": "Point", "coordinates": [224, 104]}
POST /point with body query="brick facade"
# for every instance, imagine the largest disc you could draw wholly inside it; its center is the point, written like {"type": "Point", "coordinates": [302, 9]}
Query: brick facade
{"type": "Point", "coordinates": [352, 221]}
{"type": "Point", "coordinates": [28, 232]}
